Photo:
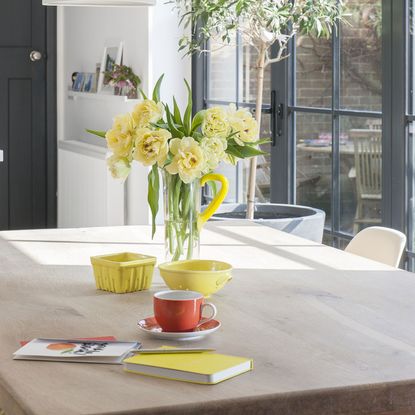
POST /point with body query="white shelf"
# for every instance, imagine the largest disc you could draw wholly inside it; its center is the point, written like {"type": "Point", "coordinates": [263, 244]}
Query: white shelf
{"type": "Point", "coordinates": [79, 147]}
{"type": "Point", "coordinates": [75, 95]}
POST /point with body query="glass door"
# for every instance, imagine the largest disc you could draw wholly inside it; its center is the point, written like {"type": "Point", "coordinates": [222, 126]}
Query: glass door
{"type": "Point", "coordinates": [335, 122]}
{"type": "Point", "coordinates": [230, 79]}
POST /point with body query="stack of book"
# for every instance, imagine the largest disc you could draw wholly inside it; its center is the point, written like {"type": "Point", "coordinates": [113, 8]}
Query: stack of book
{"type": "Point", "coordinates": [188, 365]}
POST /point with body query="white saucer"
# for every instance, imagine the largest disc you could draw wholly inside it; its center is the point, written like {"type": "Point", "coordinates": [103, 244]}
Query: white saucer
{"type": "Point", "coordinates": [150, 326]}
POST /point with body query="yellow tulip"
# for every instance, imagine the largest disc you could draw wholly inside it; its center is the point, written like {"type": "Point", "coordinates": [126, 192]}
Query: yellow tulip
{"type": "Point", "coordinates": [188, 159]}
{"type": "Point", "coordinates": [151, 146]}
{"type": "Point", "coordinates": [243, 124]}
{"type": "Point", "coordinates": [215, 123]}
{"type": "Point", "coordinates": [118, 166]}
{"type": "Point", "coordinates": [120, 136]}
{"type": "Point", "coordinates": [147, 112]}
{"type": "Point", "coordinates": [214, 152]}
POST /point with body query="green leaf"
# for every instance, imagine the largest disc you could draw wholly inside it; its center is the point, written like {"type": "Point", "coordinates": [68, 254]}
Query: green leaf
{"type": "Point", "coordinates": [159, 124]}
{"type": "Point", "coordinates": [197, 120]}
{"type": "Point", "coordinates": [156, 90]}
{"type": "Point", "coordinates": [142, 93]}
{"type": "Point", "coordinates": [234, 151]}
{"type": "Point", "coordinates": [248, 151]}
{"type": "Point", "coordinates": [257, 143]}
{"type": "Point", "coordinates": [96, 132]}
{"type": "Point", "coordinates": [176, 133]}
{"type": "Point", "coordinates": [188, 113]}
{"type": "Point", "coordinates": [153, 196]}
{"type": "Point", "coordinates": [197, 136]}
{"type": "Point", "coordinates": [244, 151]}
{"type": "Point", "coordinates": [212, 184]}
{"type": "Point", "coordinates": [177, 115]}
{"type": "Point", "coordinates": [319, 27]}
{"type": "Point", "coordinates": [169, 159]}
{"type": "Point", "coordinates": [232, 134]}
{"type": "Point", "coordinates": [232, 159]}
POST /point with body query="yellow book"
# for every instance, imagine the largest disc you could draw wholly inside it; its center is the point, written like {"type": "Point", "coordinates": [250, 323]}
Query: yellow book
{"type": "Point", "coordinates": [206, 367]}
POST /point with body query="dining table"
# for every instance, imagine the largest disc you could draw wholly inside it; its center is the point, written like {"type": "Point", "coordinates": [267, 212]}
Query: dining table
{"type": "Point", "coordinates": [329, 332]}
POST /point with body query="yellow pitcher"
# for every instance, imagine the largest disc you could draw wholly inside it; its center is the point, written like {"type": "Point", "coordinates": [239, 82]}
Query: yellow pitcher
{"type": "Point", "coordinates": [182, 216]}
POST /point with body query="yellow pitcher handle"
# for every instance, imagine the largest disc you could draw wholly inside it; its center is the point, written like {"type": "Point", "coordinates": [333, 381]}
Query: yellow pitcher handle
{"type": "Point", "coordinates": [217, 200]}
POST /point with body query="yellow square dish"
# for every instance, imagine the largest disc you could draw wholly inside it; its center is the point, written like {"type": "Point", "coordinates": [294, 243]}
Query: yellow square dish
{"type": "Point", "coordinates": [124, 272]}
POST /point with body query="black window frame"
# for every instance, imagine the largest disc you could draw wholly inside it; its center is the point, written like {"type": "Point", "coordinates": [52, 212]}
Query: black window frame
{"type": "Point", "coordinates": [396, 167]}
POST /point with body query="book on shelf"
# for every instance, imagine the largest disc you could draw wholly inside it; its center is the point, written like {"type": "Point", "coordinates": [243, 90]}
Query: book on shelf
{"type": "Point", "coordinates": [205, 367]}
{"type": "Point", "coordinates": [76, 351]}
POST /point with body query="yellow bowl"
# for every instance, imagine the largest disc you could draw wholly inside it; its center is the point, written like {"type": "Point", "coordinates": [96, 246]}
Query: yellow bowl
{"type": "Point", "coordinates": [202, 275]}
{"type": "Point", "coordinates": [125, 272]}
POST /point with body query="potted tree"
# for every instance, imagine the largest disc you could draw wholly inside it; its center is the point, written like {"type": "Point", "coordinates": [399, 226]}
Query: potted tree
{"type": "Point", "coordinates": [262, 24]}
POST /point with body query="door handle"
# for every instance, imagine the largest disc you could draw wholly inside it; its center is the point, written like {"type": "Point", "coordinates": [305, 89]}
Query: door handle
{"type": "Point", "coordinates": [1, 156]}
{"type": "Point", "coordinates": [35, 56]}
{"type": "Point", "coordinates": [277, 116]}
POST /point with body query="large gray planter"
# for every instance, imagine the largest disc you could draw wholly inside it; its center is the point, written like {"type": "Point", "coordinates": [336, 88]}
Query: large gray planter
{"type": "Point", "coordinates": [302, 221]}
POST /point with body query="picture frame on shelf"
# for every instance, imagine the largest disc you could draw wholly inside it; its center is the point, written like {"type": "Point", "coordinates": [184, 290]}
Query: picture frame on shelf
{"type": "Point", "coordinates": [89, 82]}
{"type": "Point", "coordinates": [78, 82]}
{"type": "Point", "coordinates": [112, 55]}
{"type": "Point", "coordinates": [84, 82]}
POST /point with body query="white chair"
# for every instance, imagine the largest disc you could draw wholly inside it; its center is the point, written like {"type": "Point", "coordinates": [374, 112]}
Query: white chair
{"type": "Point", "coordinates": [380, 244]}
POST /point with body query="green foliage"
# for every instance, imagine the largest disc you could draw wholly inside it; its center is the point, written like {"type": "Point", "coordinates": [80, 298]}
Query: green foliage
{"type": "Point", "coordinates": [261, 22]}
{"type": "Point", "coordinates": [122, 73]}
{"type": "Point", "coordinates": [197, 120]}
{"type": "Point", "coordinates": [188, 113]}
{"type": "Point", "coordinates": [96, 132]}
{"type": "Point", "coordinates": [176, 130]}
{"type": "Point", "coordinates": [243, 151]}
{"type": "Point", "coordinates": [156, 90]}
{"type": "Point", "coordinates": [153, 196]}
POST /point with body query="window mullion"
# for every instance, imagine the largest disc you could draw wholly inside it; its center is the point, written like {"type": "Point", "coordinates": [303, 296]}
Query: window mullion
{"type": "Point", "coordinates": [335, 105]}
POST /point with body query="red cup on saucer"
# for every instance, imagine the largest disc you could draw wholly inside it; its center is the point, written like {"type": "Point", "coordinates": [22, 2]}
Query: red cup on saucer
{"type": "Point", "coordinates": [179, 310]}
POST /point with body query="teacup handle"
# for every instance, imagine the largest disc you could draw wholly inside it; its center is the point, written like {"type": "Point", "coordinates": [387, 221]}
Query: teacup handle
{"type": "Point", "coordinates": [206, 319]}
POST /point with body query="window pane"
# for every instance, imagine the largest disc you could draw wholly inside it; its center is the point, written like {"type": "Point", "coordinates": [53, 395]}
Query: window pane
{"type": "Point", "coordinates": [336, 242]}
{"type": "Point", "coordinates": [222, 72]}
{"type": "Point", "coordinates": [313, 175]}
{"type": "Point", "coordinates": [313, 72]}
{"type": "Point", "coordinates": [263, 173]}
{"type": "Point", "coordinates": [248, 83]}
{"type": "Point", "coordinates": [361, 56]}
{"type": "Point", "coordinates": [360, 173]}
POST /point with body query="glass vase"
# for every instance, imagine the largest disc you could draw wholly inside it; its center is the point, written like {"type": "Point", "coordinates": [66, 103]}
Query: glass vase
{"type": "Point", "coordinates": [182, 203]}
{"type": "Point", "coordinates": [183, 220]}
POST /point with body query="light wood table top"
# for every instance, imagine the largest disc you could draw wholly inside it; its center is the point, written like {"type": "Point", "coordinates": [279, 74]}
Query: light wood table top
{"type": "Point", "coordinates": [329, 332]}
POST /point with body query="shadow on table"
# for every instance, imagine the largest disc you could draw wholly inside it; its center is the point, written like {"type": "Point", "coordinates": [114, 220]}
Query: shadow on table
{"type": "Point", "coordinates": [246, 240]}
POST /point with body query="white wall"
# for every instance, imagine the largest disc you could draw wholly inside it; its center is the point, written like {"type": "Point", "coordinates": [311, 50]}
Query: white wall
{"type": "Point", "coordinates": [88, 195]}
{"type": "Point", "coordinates": [150, 36]}
{"type": "Point", "coordinates": [86, 31]}
{"type": "Point", "coordinates": [164, 37]}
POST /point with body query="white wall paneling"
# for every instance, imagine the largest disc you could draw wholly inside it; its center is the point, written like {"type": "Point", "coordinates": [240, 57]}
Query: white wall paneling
{"type": "Point", "coordinates": [87, 193]}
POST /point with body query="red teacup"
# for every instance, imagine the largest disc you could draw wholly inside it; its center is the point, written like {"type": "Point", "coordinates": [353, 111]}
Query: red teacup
{"type": "Point", "coordinates": [180, 310]}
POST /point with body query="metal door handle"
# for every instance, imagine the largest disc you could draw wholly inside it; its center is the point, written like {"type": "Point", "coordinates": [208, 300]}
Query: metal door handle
{"type": "Point", "coordinates": [35, 55]}
{"type": "Point", "coordinates": [277, 116]}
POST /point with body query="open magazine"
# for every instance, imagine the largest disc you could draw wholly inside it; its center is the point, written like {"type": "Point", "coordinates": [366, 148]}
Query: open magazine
{"type": "Point", "coordinates": [79, 351]}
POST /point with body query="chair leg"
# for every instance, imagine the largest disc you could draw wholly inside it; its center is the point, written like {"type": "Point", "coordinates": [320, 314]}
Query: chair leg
{"type": "Point", "coordinates": [358, 216]}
